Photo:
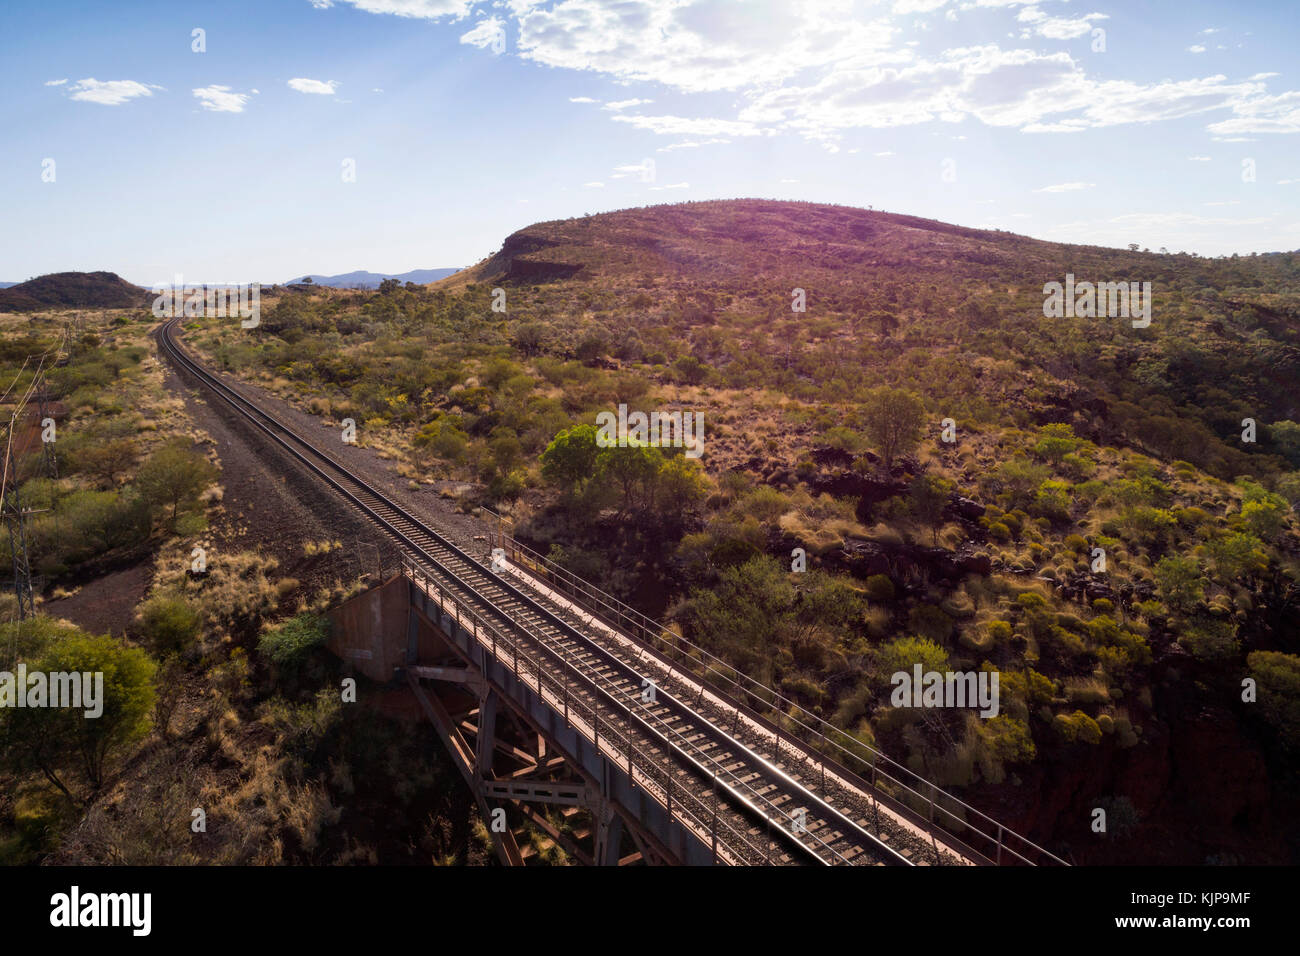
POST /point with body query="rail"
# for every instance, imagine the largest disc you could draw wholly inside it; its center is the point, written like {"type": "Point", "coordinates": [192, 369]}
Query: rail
{"type": "Point", "coordinates": [639, 763]}
{"type": "Point", "coordinates": [779, 714]}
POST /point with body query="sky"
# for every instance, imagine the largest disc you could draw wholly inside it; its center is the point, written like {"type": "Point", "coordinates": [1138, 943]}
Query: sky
{"type": "Point", "coordinates": [260, 140]}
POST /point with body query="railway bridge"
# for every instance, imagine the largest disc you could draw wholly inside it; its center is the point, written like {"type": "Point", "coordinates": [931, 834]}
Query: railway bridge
{"type": "Point", "coordinates": [623, 742]}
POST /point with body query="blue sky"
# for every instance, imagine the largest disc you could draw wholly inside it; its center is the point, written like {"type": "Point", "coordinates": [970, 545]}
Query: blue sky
{"type": "Point", "coordinates": [465, 121]}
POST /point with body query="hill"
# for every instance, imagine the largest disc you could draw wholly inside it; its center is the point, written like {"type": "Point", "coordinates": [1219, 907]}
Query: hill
{"type": "Point", "coordinates": [900, 298]}
{"type": "Point", "coordinates": [1110, 523]}
{"type": "Point", "coordinates": [72, 290]}
{"type": "Point", "coordinates": [361, 279]}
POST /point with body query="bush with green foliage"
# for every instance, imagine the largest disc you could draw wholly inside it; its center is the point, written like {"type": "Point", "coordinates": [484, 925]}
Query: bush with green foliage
{"type": "Point", "coordinates": [58, 740]}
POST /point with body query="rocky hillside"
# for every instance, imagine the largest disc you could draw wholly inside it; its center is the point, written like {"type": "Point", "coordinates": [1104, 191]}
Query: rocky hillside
{"type": "Point", "coordinates": [73, 290]}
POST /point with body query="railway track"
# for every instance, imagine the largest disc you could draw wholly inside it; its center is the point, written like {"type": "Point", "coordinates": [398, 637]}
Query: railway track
{"type": "Point", "coordinates": [756, 811]}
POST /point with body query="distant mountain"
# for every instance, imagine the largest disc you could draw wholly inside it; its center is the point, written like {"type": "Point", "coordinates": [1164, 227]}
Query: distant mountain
{"type": "Point", "coordinates": [5, 285]}
{"type": "Point", "coordinates": [72, 290]}
{"type": "Point", "coordinates": [369, 280]}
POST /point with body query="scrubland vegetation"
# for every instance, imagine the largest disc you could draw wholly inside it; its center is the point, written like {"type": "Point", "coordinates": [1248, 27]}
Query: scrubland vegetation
{"type": "Point", "coordinates": [223, 737]}
{"type": "Point", "coordinates": [1098, 532]}
{"type": "Point", "coordinates": [1075, 439]}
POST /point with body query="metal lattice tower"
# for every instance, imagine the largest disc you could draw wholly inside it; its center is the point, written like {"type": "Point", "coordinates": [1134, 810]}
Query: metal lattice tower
{"type": "Point", "coordinates": [50, 462]}
{"type": "Point", "coordinates": [16, 520]}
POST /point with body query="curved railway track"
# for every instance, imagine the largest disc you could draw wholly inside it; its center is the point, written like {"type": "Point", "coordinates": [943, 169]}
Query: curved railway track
{"type": "Point", "coordinates": [708, 778]}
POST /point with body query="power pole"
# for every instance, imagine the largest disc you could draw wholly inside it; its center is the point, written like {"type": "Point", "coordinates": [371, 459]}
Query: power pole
{"type": "Point", "coordinates": [47, 447]}
{"type": "Point", "coordinates": [16, 520]}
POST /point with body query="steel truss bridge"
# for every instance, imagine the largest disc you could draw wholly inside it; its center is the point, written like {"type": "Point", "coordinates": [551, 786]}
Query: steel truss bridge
{"type": "Point", "coordinates": [566, 709]}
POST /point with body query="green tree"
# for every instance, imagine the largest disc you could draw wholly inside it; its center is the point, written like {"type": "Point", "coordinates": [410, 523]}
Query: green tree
{"type": "Point", "coordinates": [928, 497]}
{"type": "Point", "coordinates": [681, 487]}
{"type": "Point", "coordinates": [173, 477]}
{"type": "Point", "coordinates": [690, 370]}
{"type": "Point", "coordinates": [631, 471]}
{"type": "Point", "coordinates": [744, 617]}
{"type": "Point", "coordinates": [1286, 436]}
{"type": "Point", "coordinates": [894, 420]}
{"type": "Point", "coordinates": [53, 740]}
{"type": "Point", "coordinates": [1278, 679]}
{"type": "Point", "coordinates": [1232, 555]}
{"type": "Point", "coordinates": [1180, 581]}
{"type": "Point", "coordinates": [569, 461]}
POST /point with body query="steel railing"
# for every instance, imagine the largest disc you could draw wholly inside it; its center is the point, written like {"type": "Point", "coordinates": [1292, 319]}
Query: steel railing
{"type": "Point", "coordinates": [779, 715]}
{"type": "Point", "coordinates": [653, 773]}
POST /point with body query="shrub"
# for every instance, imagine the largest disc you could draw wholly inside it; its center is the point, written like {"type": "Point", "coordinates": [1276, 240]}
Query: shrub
{"type": "Point", "coordinates": [1180, 583]}
{"type": "Point", "coordinates": [54, 739]}
{"type": "Point", "coordinates": [880, 588]}
{"type": "Point", "coordinates": [1009, 739]}
{"type": "Point", "coordinates": [1077, 727]}
{"type": "Point", "coordinates": [1278, 677]}
{"type": "Point", "coordinates": [929, 621]}
{"type": "Point", "coordinates": [168, 624]}
{"type": "Point", "coordinates": [289, 644]}
{"type": "Point", "coordinates": [1031, 601]}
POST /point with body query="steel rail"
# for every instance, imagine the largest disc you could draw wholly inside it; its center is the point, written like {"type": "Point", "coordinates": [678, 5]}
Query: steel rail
{"type": "Point", "coordinates": [673, 648]}
{"type": "Point", "coordinates": [250, 411]}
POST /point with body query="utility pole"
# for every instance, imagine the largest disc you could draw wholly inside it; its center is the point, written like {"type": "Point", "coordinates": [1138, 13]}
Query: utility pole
{"type": "Point", "coordinates": [16, 520]}
{"type": "Point", "coordinates": [47, 447]}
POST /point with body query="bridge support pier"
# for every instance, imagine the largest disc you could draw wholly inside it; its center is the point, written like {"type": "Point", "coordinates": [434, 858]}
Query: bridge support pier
{"type": "Point", "coordinates": [609, 833]}
{"type": "Point", "coordinates": [485, 741]}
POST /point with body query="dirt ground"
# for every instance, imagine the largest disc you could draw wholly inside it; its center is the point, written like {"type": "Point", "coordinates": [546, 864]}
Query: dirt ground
{"type": "Point", "coordinates": [271, 504]}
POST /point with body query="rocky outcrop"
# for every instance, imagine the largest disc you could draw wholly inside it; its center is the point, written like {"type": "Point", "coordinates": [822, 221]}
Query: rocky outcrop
{"type": "Point", "coordinates": [907, 563]}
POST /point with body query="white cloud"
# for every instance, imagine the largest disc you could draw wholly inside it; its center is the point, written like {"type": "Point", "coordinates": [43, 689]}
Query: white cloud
{"type": "Point", "coordinates": [319, 87]}
{"type": "Point", "coordinates": [681, 126]}
{"type": "Point", "coordinates": [670, 186]}
{"type": "Point", "coordinates": [581, 99]}
{"type": "Point", "coordinates": [886, 152]}
{"type": "Point", "coordinates": [905, 7]}
{"type": "Point", "coordinates": [820, 67]}
{"type": "Point", "coordinates": [594, 185]}
{"type": "Point", "coordinates": [487, 32]}
{"type": "Point", "coordinates": [1065, 187]}
{"type": "Point", "coordinates": [692, 144]}
{"type": "Point", "coordinates": [56, 82]}
{"type": "Point", "coordinates": [109, 92]}
{"type": "Point", "coordinates": [1198, 159]}
{"type": "Point", "coordinates": [1262, 114]}
{"type": "Point", "coordinates": [421, 9]}
{"type": "Point", "coordinates": [1196, 48]}
{"type": "Point", "coordinates": [617, 105]}
{"type": "Point", "coordinates": [709, 45]}
{"type": "Point", "coordinates": [1056, 28]}
{"type": "Point", "coordinates": [220, 99]}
